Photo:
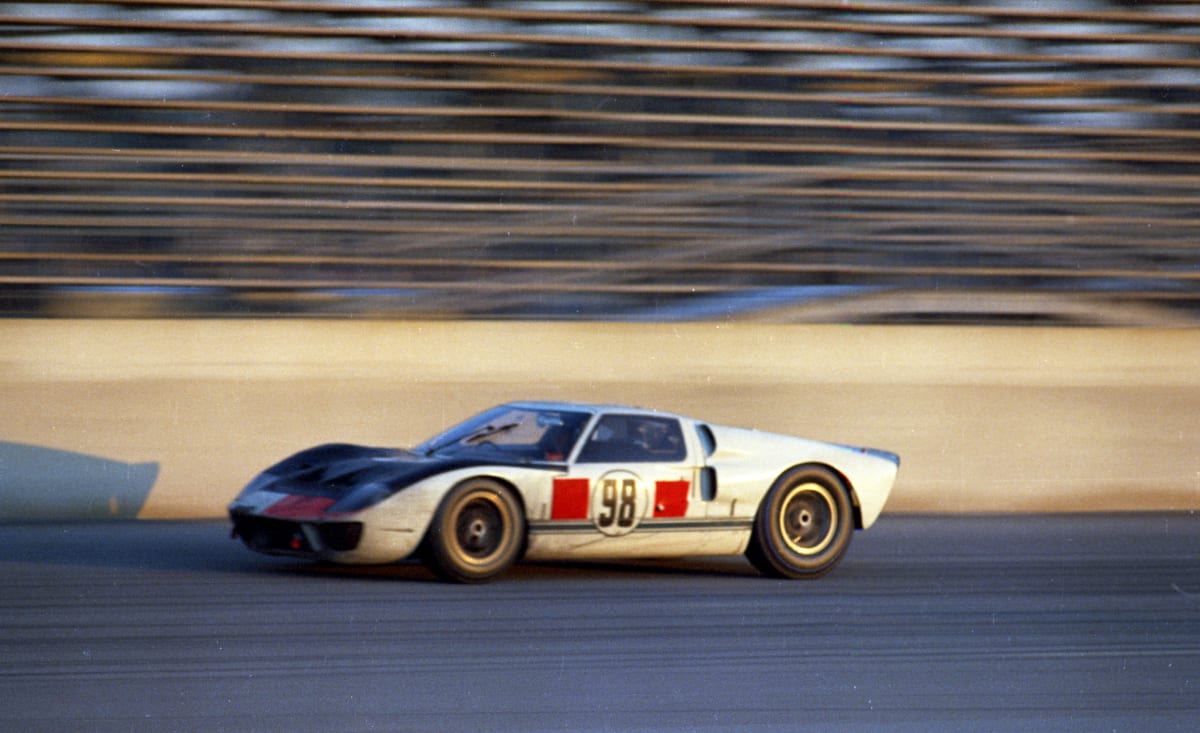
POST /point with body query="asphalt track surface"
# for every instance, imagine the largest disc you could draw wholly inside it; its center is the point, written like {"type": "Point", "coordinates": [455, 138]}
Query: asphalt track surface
{"type": "Point", "coordinates": [1050, 622]}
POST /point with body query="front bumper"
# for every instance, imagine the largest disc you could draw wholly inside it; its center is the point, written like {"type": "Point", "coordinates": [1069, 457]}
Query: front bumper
{"type": "Point", "coordinates": [322, 540]}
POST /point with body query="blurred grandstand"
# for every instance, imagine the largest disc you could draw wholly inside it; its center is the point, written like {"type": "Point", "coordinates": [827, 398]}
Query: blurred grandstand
{"type": "Point", "coordinates": [825, 161]}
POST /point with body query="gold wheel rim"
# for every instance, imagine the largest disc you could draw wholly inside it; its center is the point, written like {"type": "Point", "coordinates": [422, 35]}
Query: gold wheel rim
{"type": "Point", "coordinates": [479, 526]}
{"type": "Point", "coordinates": [808, 519]}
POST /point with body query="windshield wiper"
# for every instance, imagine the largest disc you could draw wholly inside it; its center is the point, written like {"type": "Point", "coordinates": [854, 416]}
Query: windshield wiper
{"type": "Point", "coordinates": [486, 432]}
{"type": "Point", "coordinates": [474, 438]}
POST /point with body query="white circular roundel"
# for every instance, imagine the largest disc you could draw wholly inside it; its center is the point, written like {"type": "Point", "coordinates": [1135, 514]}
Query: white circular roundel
{"type": "Point", "coordinates": [619, 501]}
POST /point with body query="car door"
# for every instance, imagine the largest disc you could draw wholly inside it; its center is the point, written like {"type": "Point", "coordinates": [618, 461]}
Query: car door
{"type": "Point", "coordinates": [633, 473]}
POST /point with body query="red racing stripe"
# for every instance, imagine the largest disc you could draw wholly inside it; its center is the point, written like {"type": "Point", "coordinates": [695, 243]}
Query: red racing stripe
{"type": "Point", "coordinates": [299, 507]}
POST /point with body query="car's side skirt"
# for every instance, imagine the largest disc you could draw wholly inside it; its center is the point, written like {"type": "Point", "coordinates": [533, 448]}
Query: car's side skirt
{"type": "Point", "coordinates": [652, 539]}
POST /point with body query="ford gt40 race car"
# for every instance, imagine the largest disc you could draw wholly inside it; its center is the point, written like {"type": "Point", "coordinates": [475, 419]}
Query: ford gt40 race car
{"type": "Point", "coordinates": [560, 481]}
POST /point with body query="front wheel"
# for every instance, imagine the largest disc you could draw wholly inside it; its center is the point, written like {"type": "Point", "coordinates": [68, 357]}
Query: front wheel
{"type": "Point", "coordinates": [477, 532]}
{"type": "Point", "coordinates": [803, 526]}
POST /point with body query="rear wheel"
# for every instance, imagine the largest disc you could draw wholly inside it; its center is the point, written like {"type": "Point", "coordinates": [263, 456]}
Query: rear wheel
{"type": "Point", "coordinates": [803, 526]}
{"type": "Point", "coordinates": [477, 532]}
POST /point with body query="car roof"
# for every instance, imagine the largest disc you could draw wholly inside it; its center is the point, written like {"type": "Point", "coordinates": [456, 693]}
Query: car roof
{"type": "Point", "coordinates": [588, 407]}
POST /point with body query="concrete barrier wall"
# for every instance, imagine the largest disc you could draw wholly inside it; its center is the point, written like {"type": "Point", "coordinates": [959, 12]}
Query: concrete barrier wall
{"type": "Point", "coordinates": [986, 419]}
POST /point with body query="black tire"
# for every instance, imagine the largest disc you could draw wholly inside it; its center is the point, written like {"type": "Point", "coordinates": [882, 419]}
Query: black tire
{"type": "Point", "coordinates": [803, 526]}
{"type": "Point", "coordinates": [477, 532]}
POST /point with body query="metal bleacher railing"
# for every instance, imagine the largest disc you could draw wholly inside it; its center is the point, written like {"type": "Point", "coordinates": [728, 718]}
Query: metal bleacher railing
{"type": "Point", "coordinates": [865, 161]}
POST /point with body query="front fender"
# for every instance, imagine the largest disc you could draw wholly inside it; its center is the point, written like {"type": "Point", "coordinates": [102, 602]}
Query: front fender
{"type": "Point", "coordinates": [410, 510]}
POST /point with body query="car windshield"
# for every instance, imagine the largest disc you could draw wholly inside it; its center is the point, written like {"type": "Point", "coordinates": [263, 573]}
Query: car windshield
{"type": "Point", "coordinates": [512, 433]}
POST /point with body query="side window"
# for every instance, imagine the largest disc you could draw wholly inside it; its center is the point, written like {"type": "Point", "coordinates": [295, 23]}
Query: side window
{"type": "Point", "coordinates": [634, 439]}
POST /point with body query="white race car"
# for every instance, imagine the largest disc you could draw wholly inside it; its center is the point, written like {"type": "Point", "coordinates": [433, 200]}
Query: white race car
{"type": "Point", "coordinates": [560, 481]}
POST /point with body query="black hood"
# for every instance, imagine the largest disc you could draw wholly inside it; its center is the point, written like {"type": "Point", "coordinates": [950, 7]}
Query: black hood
{"type": "Point", "coordinates": [333, 471]}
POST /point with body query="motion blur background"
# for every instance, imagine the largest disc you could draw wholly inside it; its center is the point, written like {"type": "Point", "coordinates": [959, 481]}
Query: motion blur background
{"type": "Point", "coordinates": [1013, 162]}
{"type": "Point", "coordinates": [231, 230]}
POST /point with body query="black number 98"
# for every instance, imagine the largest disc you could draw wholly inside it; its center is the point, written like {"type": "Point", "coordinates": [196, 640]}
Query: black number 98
{"type": "Point", "coordinates": [619, 502]}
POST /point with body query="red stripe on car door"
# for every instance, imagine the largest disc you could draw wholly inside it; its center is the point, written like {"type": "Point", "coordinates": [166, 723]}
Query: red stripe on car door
{"type": "Point", "coordinates": [570, 499]}
{"type": "Point", "coordinates": [671, 498]}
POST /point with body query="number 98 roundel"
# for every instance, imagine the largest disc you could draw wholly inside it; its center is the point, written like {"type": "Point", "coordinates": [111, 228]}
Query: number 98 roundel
{"type": "Point", "coordinates": [619, 502]}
